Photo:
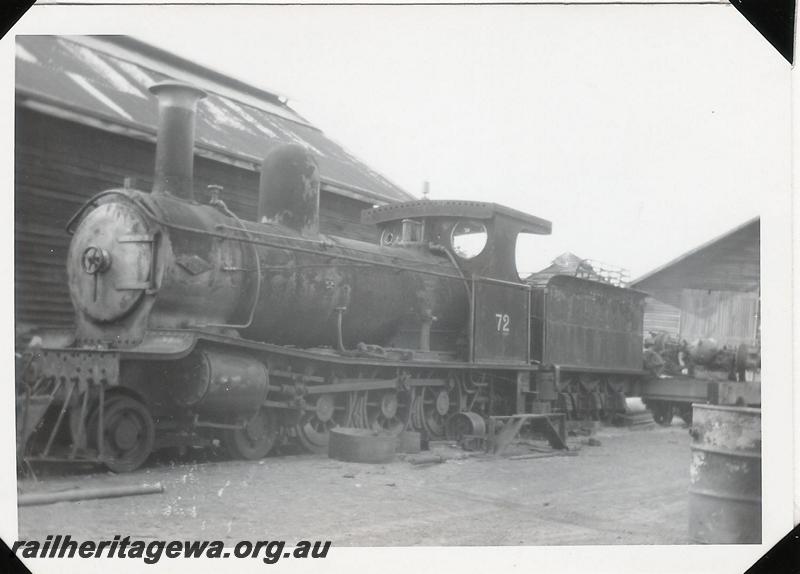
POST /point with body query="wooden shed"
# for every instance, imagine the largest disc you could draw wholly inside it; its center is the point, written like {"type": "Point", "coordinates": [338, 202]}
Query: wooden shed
{"type": "Point", "coordinates": [85, 121]}
{"type": "Point", "coordinates": [713, 291]}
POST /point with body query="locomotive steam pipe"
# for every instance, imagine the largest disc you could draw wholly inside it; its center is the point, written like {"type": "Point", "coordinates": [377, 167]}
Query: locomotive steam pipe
{"type": "Point", "coordinates": [174, 170]}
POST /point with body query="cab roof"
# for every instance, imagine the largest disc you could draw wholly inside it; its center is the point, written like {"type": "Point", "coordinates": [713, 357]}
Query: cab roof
{"type": "Point", "coordinates": [455, 208]}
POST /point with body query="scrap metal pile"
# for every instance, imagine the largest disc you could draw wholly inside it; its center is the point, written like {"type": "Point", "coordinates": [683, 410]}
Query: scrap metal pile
{"type": "Point", "coordinates": [666, 354]}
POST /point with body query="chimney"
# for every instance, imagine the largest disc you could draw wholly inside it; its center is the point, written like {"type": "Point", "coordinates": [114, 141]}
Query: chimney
{"type": "Point", "coordinates": [177, 104]}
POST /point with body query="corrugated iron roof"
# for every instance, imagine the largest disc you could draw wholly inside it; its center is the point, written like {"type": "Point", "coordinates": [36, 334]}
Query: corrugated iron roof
{"type": "Point", "coordinates": [62, 75]}
{"type": "Point", "coordinates": [729, 262]}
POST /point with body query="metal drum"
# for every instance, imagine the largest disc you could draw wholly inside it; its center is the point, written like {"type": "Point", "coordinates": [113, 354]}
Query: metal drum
{"type": "Point", "coordinates": [408, 442]}
{"type": "Point", "coordinates": [361, 445]}
{"type": "Point", "coordinates": [465, 424]}
{"type": "Point", "coordinates": [725, 488]}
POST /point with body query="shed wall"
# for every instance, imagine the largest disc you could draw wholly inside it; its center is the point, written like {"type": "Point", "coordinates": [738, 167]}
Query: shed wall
{"type": "Point", "coordinates": [661, 317]}
{"type": "Point", "coordinates": [729, 317]}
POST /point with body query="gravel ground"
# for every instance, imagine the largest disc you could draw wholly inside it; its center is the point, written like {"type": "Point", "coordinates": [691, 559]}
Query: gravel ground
{"type": "Point", "coordinates": [631, 489]}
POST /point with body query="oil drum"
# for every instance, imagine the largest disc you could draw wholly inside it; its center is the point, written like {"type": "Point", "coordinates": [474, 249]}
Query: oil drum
{"type": "Point", "coordinates": [725, 475]}
{"type": "Point", "coordinates": [465, 424]}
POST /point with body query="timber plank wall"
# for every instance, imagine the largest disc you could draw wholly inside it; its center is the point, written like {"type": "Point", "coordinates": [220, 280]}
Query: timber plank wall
{"type": "Point", "coordinates": [59, 164]}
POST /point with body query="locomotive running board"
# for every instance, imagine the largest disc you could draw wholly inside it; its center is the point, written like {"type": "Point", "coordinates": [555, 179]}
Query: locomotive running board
{"type": "Point", "coordinates": [170, 344]}
{"type": "Point", "coordinates": [335, 357]}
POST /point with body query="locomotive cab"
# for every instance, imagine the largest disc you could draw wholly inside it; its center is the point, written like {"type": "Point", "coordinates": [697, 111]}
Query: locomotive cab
{"type": "Point", "coordinates": [480, 236]}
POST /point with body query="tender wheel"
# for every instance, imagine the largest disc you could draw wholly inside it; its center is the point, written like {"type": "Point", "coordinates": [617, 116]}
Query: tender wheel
{"type": "Point", "coordinates": [128, 434]}
{"type": "Point", "coordinates": [662, 414]}
{"type": "Point", "coordinates": [255, 440]}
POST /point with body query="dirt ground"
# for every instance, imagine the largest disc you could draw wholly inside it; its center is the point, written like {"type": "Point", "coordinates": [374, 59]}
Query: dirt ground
{"type": "Point", "coordinates": [631, 489]}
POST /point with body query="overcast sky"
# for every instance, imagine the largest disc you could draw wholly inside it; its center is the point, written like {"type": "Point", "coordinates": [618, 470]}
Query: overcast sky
{"type": "Point", "coordinates": [639, 131]}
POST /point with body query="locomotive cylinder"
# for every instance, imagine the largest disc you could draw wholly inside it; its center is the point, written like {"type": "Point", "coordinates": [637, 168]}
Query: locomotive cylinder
{"type": "Point", "coordinates": [218, 383]}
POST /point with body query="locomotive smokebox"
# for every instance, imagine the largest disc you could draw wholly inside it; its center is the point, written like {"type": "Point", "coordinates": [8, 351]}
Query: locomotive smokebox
{"type": "Point", "coordinates": [289, 189]}
{"type": "Point", "coordinates": [177, 105]}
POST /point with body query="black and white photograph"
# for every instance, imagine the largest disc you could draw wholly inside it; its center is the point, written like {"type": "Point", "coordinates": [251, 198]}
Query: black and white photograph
{"type": "Point", "coordinates": [470, 287]}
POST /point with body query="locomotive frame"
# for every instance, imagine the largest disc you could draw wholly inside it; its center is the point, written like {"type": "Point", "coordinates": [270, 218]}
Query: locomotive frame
{"type": "Point", "coordinates": [195, 326]}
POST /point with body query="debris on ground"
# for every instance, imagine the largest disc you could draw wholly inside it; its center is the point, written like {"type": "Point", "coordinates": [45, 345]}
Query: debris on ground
{"type": "Point", "coordinates": [442, 443]}
{"type": "Point", "coordinates": [76, 494]}
{"type": "Point", "coordinates": [636, 420]}
{"type": "Point", "coordinates": [425, 459]}
{"type": "Point", "coordinates": [543, 454]}
{"type": "Point", "coordinates": [583, 428]}
{"type": "Point", "coordinates": [593, 498]}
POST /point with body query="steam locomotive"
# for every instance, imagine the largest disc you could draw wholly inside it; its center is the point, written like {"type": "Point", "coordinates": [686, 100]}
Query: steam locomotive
{"type": "Point", "coordinates": [194, 325]}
